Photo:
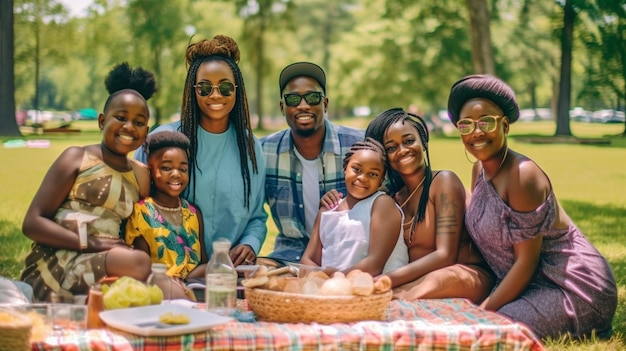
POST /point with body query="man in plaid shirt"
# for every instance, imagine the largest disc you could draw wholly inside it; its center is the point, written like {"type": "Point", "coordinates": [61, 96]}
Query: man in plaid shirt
{"type": "Point", "coordinates": [304, 161]}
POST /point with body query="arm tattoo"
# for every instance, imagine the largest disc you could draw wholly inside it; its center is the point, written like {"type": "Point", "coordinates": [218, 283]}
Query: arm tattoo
{"type": "Point", "coordinates": [447, 221]}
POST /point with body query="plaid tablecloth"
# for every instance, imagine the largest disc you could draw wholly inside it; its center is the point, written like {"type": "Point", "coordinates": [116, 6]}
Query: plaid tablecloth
{"type": "Point", "coordinates": [73, 340]}
{"type": "Point", "coordinates": [448, 324]}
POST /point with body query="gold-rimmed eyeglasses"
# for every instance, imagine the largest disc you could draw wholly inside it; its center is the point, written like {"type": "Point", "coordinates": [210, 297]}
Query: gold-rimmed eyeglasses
{"type": "Point", "coordinates": [485, 123]}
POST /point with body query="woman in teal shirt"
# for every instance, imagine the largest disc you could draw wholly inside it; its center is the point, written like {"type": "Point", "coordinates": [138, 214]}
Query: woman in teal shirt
{"type": "Point", "coordinates": [227, 171]}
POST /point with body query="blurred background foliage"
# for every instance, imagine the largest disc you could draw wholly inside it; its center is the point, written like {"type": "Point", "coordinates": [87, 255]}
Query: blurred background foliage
{"type": "Point", "coordinates": [377, 53]}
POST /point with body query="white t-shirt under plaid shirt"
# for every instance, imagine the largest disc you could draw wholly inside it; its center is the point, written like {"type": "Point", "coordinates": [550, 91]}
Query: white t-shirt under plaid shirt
{"type": "Point", "coordinates": [283, 183]}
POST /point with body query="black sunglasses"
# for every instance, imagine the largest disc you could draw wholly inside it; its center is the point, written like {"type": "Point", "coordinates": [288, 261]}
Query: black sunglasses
{"type": "Point", "coordinates": [313, 98]}
{"type": "Point", "coordinates": [225, 88]}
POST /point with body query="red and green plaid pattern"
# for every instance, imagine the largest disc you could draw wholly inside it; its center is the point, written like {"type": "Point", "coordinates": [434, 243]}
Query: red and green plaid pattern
{"type": "Point", "coordinates": [448, 324]}
{"type": "Point", "coordinates": [73, 340]}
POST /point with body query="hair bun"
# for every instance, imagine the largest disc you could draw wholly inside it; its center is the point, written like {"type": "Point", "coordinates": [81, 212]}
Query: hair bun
{"type": "Point", "coordinates": [220, 45]}
{"type": "Point", "coordinates": [122, 76]}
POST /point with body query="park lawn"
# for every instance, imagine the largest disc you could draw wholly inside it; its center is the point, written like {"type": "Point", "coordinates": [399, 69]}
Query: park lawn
{"type": "Point", "coordinates": [587, 179]}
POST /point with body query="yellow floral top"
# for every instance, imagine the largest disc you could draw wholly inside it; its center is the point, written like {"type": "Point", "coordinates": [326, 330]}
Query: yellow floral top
{"type": "Point", "coordinates": [178, 248]}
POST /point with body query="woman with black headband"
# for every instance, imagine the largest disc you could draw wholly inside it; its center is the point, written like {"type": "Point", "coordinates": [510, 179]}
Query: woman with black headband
{"type": "Point", "coordinates": [548, 275]}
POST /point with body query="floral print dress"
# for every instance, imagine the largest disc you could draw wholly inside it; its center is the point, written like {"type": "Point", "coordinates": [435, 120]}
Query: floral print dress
{"type": "Point", "coordinates": [178, 247]}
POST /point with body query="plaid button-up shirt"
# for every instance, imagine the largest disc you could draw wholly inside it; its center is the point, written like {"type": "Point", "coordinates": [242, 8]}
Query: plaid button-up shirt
{"type": "Point", "coordinates": [283, 183]}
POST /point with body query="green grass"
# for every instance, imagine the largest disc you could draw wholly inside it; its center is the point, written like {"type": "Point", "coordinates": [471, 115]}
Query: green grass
{"type": "Point", "coordinates": [588, 180]}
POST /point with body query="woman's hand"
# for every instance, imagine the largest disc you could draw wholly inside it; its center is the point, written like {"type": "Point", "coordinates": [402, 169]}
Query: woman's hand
{"type": "Point", "coordinates": [331, 199]}
{"type": "Point", "coordinates": [103, 243]}
{"type": "Point", "coordinates": [242, 255]}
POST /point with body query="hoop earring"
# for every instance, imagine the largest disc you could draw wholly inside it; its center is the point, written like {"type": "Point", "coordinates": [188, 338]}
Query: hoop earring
{"type": "Point", "coordinates": [467, 157]}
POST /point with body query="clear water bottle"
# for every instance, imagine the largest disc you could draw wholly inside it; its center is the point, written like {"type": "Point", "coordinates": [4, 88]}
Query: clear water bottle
{"type": "Point", "coordinates": [221, 281]}
{"type": "Point", "coordinates": [159, 278]}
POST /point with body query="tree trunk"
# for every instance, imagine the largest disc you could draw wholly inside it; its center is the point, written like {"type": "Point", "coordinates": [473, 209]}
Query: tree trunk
{"type": "Point", "coordinates": [482, 51]}
{"type": "Point", "coordinates": [260, 54]}
{"type": "Point", "coordinates": [157, 73]}
{"type": "Point", "coordinates": [565, 85]}
{"type": "Point", "coordinates": [8, 124]}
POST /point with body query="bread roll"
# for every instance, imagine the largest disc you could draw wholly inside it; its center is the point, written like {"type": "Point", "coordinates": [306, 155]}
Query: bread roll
{"type": "Point", "coordinates": [263, 270]}
{"type": "Point", "coordinates": [274, 284]}
{"type": "Point", "coordinates": [255, 282]}
{"type": "Point", "coordinates": [292, 285]}
{"type": "Point", "coordinates": [338, 274]}
{"type": "Point", "coordinates": [310, 287]}
{"type": "Point", "coordinates": [338, 285]}
{"type": "Point", "coordinates": [317, 274]}
{"type": "Point", "coordinates": [353, 273]}
{"type": "Point", "coordinates": [362, 283]}
{"type": "Point", "coordinates": [383, 284]}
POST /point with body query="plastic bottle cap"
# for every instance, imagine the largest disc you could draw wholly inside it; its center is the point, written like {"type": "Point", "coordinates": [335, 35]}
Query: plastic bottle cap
{"type": "Point", "coordinates": [159, 267]}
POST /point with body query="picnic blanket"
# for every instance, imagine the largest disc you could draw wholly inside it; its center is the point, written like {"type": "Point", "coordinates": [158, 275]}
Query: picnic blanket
{"type": "Point", "coordinates": [74, 340]}
{"type": "Point", "coordinates": [447, 324]}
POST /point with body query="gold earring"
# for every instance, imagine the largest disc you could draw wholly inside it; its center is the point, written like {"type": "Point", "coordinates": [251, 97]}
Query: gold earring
{"type": "Point", "coordinates": [467, 157]}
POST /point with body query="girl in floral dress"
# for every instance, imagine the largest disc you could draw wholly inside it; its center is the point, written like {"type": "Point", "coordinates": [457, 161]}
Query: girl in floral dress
{"type": "Point", "coordinates": [164, 225]}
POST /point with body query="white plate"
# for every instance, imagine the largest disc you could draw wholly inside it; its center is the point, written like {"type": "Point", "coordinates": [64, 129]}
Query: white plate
{"type": "Point", "coordinates": [145, 320]}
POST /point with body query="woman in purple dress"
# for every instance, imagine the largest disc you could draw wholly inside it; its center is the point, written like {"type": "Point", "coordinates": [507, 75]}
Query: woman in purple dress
{"type": "Point", "coordinates": [548, 275]}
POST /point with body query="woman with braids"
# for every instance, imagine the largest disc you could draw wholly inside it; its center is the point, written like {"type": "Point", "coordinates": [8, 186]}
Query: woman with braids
{"type": "Point", "coordinates": [363, 231]}
{"type": "Point", "coordinates": [75, 216]}
{"type": "Point", "coordinates": [226, 171]}
{"type": "Point", "coordinates": [548, 275]}
{"type": "Point", "coordinates": [442, 260]}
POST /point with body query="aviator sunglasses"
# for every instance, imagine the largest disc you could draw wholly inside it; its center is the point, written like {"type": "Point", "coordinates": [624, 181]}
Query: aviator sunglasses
{"type": "Point", "coordinates": [312, 98]}
{"type": "Point", "coordinates": [225, 88]}
{"type": "Point", "coordinates": [485, 123]}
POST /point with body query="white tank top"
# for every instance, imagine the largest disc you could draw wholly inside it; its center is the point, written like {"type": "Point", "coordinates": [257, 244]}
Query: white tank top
{"type": "Point", "coordinates": [345, 237]}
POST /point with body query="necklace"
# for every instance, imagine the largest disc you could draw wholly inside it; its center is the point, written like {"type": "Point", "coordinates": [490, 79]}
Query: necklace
{"type": "Point", "coordinates": [506, 153]}
{"type": "Point", "coordinates": [168, 209]}
{"type": "Point", "coordinates": [407, 201]}
{"type": "Point", "coordinates": [413, 192]}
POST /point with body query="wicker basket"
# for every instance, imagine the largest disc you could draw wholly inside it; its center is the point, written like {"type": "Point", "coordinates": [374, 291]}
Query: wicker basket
{"type": "Point", "coordinates": [276, 306]}
{"type": "Point", "coordinates": [15, 329]}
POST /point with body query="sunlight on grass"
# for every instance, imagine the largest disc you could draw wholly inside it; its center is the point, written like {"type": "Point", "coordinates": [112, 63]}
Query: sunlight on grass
{"type": "Point", "coordinates": [588, 181]}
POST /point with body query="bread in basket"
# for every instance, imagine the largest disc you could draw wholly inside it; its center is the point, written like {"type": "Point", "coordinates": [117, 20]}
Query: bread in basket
{"type": "Point", "coordinates": [282, 307]}
{"type": "Point", "coordinates": [319, 298]}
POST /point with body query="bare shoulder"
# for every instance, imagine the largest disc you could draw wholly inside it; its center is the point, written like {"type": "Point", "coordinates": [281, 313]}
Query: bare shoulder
{"type": "Point", "coordinates": [385, 204]}
{"type": "Point", "coordinates": [142, 173]}
{"type": "Point", "coordinates": [446, 182]}
{"type": "Point", "coordinates": [71, 158]}
{"type": "Point", "coordinates": [138, 165]}
{"type": "Point", "coordinates": [528, 187]}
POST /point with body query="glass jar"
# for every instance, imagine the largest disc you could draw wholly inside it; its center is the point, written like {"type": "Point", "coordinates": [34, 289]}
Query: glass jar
{"type": "Point", "coordinates": [95, 305]}
{"type": "Point", "coordinates": [221, 281]}
{"type": "Point", "coordinates": [160, 278]}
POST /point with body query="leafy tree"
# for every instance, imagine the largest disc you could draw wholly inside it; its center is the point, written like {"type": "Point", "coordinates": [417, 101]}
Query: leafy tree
{"type": "Point", "coordinates": [526, 55]}
{"type": "Point", "coordinates": [404, 52]}
{"type": "Point", "coordinates": [482, 50]}
{"type": "Point", "coordinates": [8, 124]}
{"type": "Point", "coordinates": [261, 16]}
{"type": "Point", "coordinates": [42, 26]}
{"type": "Point", "coordinates": [605, 40]}
{"type": "Point", "coordinates": [565, 82]}
{"type": "Point", "coordinates": [162, 28]}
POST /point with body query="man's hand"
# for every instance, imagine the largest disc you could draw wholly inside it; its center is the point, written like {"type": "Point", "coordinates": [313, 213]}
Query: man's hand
{"type": "Point", "coordinates": [242, 255]}
{"type": "Point", "coordinates": [331, 199]}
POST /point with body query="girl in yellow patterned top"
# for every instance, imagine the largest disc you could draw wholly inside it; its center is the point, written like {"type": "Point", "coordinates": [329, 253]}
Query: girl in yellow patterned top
{"type": "Point", "coordinates": [164, 225]}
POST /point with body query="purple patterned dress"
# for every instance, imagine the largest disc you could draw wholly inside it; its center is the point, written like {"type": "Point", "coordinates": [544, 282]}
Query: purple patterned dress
{"type": "Point", "coordinates": [572, 291]}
